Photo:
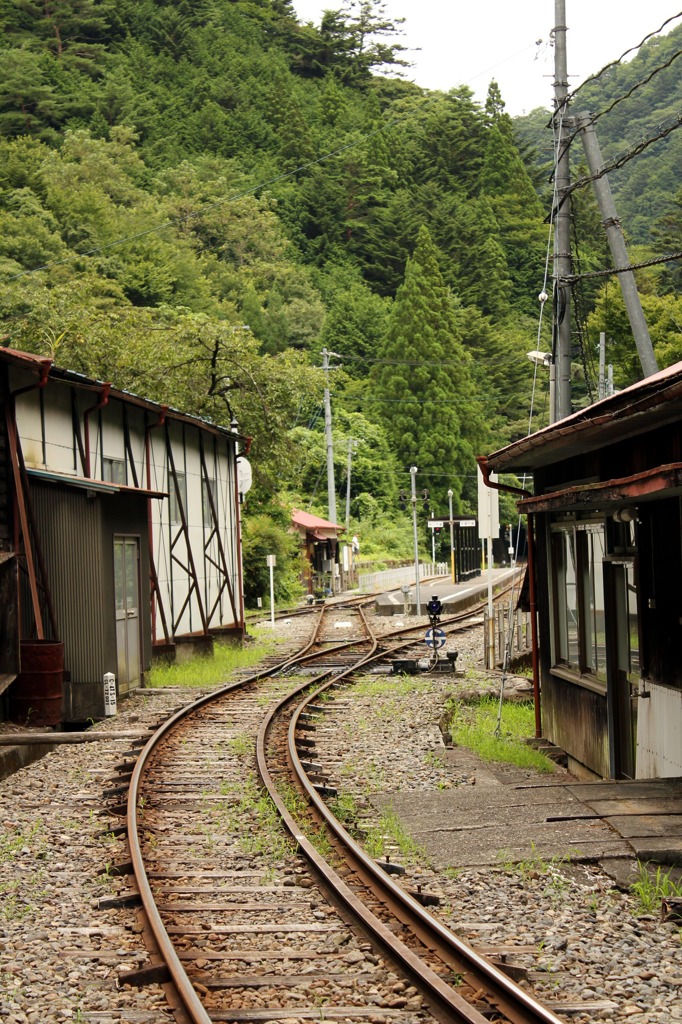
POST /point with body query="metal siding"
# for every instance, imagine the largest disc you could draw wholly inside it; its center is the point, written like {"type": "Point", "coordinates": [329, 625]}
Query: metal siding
{"type": "Point", "coordinates": [659, 733]}
{"type": "Point", "coordinates": [70, 529]}
{"type": "Point", "coordinates": [113, 443]}
{"type": "Point", "coordinates": [58, 429]}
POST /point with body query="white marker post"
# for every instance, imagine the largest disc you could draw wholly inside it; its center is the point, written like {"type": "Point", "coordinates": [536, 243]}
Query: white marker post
{"type": "Point", "coordinates": [272, 562]}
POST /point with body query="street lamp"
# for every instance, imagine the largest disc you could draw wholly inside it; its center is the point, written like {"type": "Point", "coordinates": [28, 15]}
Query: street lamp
{"type": "Point", "coordinates": [452, 538]}
{"type": "Point", "coordinates": [545, 359]}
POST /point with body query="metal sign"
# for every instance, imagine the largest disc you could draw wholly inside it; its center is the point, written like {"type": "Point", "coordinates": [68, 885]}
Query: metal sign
{"type": "Point", "coordinates": [435, 638]}
{"type": "Point", "coordinates": [465, 522]}
{"type": "Point", "coordinates": [436, 524]}
{"type": "Point", "coordinates": [271, 560]}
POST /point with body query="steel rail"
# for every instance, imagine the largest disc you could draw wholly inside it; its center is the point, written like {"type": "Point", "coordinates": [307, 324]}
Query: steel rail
{"type": "Point", "coordinates": [191, 1002]}
{"type": "Point", "coordinates": [166, 950]}
{"type": "Point", "coordinates": [516, 1004]}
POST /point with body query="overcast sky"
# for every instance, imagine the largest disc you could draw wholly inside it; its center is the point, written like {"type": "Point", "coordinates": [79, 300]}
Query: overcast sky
{"type": "Point", "coordinates": [465, 42]}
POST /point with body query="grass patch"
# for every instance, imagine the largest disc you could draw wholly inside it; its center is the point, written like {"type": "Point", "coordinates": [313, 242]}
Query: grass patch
{"type": "Point", "coordinates": [216, 668]}
{"type": "Point", "coordinates": [393, 686]}
{"type": "Point", "coordinates": [649, 889]}
{"type": "Point", "coordinates": [473, 726]}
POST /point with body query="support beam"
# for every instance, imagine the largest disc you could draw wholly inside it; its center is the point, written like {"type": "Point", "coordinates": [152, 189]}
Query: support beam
{"type": "Point", "coordinates": [616, 240]}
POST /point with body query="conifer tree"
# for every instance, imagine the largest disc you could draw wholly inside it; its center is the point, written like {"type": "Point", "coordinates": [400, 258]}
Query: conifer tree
{"type": "Point", "coordinates": [423, 382]}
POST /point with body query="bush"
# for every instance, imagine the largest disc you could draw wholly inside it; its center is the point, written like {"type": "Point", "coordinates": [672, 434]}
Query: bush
{"type": "Point", "coordinates": [262, 536]}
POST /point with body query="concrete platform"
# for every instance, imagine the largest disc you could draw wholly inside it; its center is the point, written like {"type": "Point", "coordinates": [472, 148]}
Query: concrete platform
{"type": "Point", "coordinates": [455, 597]}
{"type": "Point", "coordinates": [504, 816]}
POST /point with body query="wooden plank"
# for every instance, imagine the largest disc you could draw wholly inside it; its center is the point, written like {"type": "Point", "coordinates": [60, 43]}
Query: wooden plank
{"type": "Point", "coordinates": [297, 1012]}
{"type": "Point", "coordinates": [218, 908]}
{"type": "Point", "coordinates": [253, 929]}
{"type": "Point", "coordinates": [286, 980]}
{"type": "Point", "coordinates": [583, 1006]}
{"type": "Point", "coordinates": [23, 739]}
{"type": "Point", "coordinates": [256, 954]}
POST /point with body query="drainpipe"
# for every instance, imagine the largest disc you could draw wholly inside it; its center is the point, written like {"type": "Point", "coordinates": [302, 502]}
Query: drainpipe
{"type": "Point", "coordinates": [234, 427]}
{"type": "Point", "coordinates": [485, 472]}
{"type": "Point", "coordinates": [150, 527]}
{"type": "Point", "coordinates": [20, 515]}
{"type": "Point", "coordinates": [103, 400]}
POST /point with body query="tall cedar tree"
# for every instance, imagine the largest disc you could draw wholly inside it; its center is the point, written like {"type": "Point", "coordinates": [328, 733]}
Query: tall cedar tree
{"type": "Point", "coordinates": [423, 381]}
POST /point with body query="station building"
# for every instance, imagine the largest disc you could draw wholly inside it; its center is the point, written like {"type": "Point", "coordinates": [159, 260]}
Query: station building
{"type": "Point", "coordinates": [606, 512]}
{"type": "Point", "coordinates": [119, 538]}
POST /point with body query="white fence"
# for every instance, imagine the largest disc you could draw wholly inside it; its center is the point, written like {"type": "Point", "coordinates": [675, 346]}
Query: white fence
{"type": "Point", "coordinates": [391, 579]}
{"type": "Point", "coordinates": [507, 621]}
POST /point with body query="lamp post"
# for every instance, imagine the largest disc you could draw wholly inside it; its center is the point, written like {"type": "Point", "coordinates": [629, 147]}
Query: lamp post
{"type": "Point", "coordinates": [545, 359]}
{"type": "Point", "coordinates": [413, 480]}
{"type": "Point", "coordinates": [452, 538]}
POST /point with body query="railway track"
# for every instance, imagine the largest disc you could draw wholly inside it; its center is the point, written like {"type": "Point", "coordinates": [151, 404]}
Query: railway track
{"type": "Point", "coordinates": [246, 924]}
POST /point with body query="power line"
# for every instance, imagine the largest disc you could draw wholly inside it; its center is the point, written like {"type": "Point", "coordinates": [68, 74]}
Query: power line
{"type": "Point", "coordinates": [668, 126]}
{"type": "Point", "coordinates": [624, 96]}
{"type": "Point", "coordinates": [614, 63]}
{"type": "Point", "coordinates": [655, 261]}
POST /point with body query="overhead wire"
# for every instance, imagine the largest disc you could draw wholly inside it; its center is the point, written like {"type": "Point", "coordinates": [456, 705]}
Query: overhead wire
{"type": "Point", "coordinates": [619, 60]}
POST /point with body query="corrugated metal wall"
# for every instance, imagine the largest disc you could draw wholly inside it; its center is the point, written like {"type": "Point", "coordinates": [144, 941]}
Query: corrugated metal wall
{"type": "Point", "coordinates": [70, 529]}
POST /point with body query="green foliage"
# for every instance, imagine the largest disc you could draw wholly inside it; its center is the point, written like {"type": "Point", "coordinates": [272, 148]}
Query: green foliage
{"type": "Point", "coordinates": [263, 536]}
{"type": "Point", "coordinates": [653, 886]}
{"type": "Point", "coordinates": [213, 669]}
{"type": "Point", "coordinates": [473, 726]}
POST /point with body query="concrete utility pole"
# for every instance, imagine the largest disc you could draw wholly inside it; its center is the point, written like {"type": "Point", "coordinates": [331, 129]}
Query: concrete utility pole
{"type": "Point", "coordinates": [562, 224]}
{"type": "Point", "coordinates": [351, 444]}
{"type": "Point", "coordinates": [619, 252]}
{"type": "Point", "coordinates": [413, 478]}
{"type": "Point", "coordinates": [331, 486]}
{"type": "Point", "coordinates": [602, 365]}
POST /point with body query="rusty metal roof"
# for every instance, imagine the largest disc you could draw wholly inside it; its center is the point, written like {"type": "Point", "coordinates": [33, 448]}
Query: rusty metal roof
{"type": "Point", "coordinates": [648, 404]}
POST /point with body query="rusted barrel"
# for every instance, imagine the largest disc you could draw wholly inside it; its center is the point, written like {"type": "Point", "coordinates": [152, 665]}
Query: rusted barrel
{"type": "Point", "coordinates": [35, 696]}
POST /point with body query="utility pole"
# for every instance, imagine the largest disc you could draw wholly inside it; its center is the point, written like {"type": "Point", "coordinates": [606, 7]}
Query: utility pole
{"type": "Point", "coordinates": [562, 224]}
{"type": "Point", "coordinates": [413, 480]}
{"type": "Point", "coordinates": [452, 538]}
{"type": "Point", "coordinates": [602, 365]}
{"type": "Point", "coordinates": [619, 252]}
{"type": "Point", "coordinates": [331, 487]}
{"type": "Point", "coordinates": [351, 442]}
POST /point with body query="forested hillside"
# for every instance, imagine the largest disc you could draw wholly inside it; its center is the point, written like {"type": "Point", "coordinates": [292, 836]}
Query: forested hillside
{"type": "Point", "coordinates": [198, 196]}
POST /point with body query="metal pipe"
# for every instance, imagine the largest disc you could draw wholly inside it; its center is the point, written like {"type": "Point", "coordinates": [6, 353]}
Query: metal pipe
{"type": "Point", "coordinates": [103, 400]}
{"type": "Point", "coordinates": [417, 596]}
{"type": "Point", "coordinates": [19, 503]}
{"type": "Point", "coordinates": [150, 526]}
{"type": "Point", "coordinates": [485, 473]}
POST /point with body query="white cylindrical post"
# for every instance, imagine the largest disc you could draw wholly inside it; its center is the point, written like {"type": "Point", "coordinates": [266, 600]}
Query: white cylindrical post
{"type": "Point", "coordinates": [452, 539]}
{"type": "Point", "coordinates": [272, 562]}
{"type": "Point", "coordinates": [109, 694]}
{"type": "Point", "coordinates": [413, 476]}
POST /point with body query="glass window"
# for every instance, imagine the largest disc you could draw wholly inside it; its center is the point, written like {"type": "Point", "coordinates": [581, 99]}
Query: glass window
{"type": "Point", "coordinates": [578, 597]}
{"type": "Point", "coordinates": [205, 502]}
{"type": "Point", "coordinates": [595, 633]}
{"type": "Point", "coordinates": [175, 516]}
{"type": "Point", "coordinates": [114, 471]}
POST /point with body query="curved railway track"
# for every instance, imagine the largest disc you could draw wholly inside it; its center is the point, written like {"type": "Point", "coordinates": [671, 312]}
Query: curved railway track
{"type": "Point", "coordinates": [243, 926]}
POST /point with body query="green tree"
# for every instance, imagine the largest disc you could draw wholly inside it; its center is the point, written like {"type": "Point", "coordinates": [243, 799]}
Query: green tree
{"type": "Point", "coordinates": [424, 387]}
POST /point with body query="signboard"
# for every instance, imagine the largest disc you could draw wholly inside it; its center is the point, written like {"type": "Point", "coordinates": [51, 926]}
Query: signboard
{"type": "Point", "coordinates": [488, 508]}
{"type": "Point", "coordinates": [436, 524]}
{"type": "Point", "coordinates": [435, 638]}
{"type": "Point", "coordinates": [464, 522]}
{"type": "Point", "coordinates": [271, 560]}
{"type": "Point", "coordinates": [244, 474]}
